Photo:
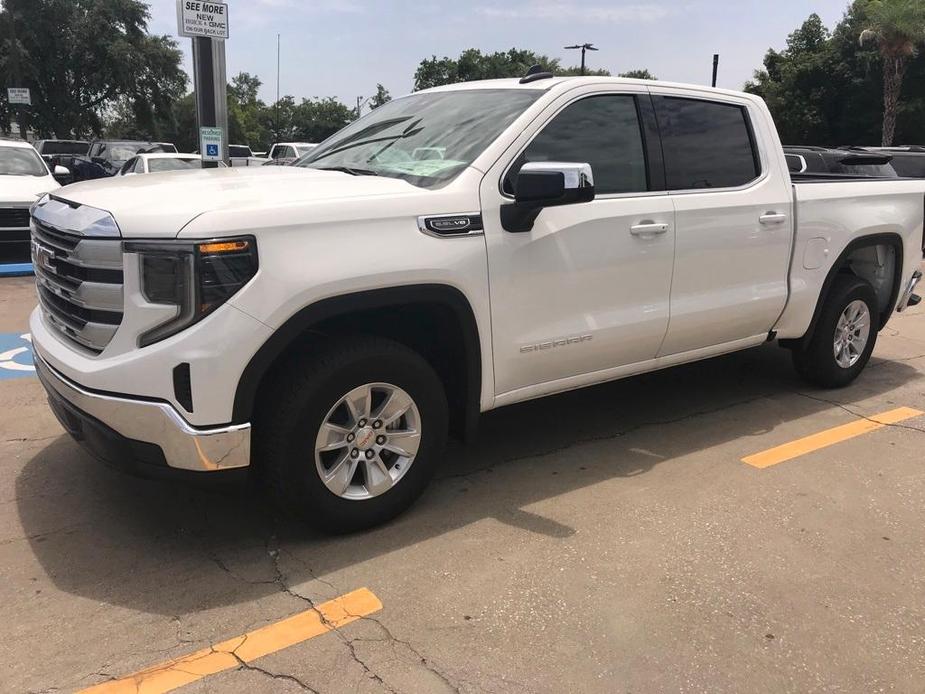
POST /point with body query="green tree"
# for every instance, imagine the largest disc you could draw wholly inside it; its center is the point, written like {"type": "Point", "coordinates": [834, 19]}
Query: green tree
{"type": "Point", "coordinates": [381, 96]}
{"type": "Point", "coordinates": [246, 124]}
{"type": "Point", "coordinates": [825, 89]}
{"type": "Point", "coordinates": [643, 74]}
{"type": "Point", "coordinates": [472, 64]}
{"type": "Point", "coordinates": [897, 28]}
{"type": "Point", "coordinates": [317, 119]}
{"type": "Point", "coordinates": [82, 57]}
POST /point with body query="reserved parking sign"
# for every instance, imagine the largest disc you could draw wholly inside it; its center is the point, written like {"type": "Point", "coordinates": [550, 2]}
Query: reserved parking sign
{"type": "Point", "coordinates": [211, 144]}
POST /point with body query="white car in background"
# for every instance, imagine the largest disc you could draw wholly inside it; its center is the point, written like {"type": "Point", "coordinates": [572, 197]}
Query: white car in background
{"type": "Point", "coordinates": [284, 153]}
{"type": "Point", "coordinates": [24, 177]}
{"type": "Point", "coordinates": [161, 161]}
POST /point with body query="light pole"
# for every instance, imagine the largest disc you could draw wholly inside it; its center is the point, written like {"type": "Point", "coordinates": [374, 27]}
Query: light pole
{"type": "Point", "coordinates": [584, 47]}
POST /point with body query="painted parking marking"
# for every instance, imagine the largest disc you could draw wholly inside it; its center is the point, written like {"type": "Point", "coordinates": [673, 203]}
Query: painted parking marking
{"type": "Point", "coordinates": [229, 654]}
{"type": "Point", "coordinates": [16, 355]}
{"type": "Point", "coordinates": [829, 437]}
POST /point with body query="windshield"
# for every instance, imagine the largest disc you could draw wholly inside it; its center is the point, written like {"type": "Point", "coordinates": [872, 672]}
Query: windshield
{"type": "Point", "coordinates": [305, 149]}
{"type": "Point", "coordinates": [21, 161]}
{"type": "Point", "coordinates": [426, 139]}
{"type": "Point", "coordinates": [155, 165]}
{"type": "Point", "coordinates": [123, 151]}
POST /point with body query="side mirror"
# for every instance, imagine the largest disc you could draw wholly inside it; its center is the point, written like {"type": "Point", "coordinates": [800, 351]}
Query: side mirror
{"type": "Point", "coordinates": [546, 184]}
{"type": "Point", "coordinates": [62, 175]}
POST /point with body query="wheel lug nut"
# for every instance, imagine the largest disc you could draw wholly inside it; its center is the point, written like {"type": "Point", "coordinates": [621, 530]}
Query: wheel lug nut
{"type": "Point", "coordinates": [380, 440]}
{"type": "Point", "coordinates": [354, 453]}
{"type": "Point", "coordinates": [369, 455]}
{"type": "Point", "coordinates": [361, 423]}
{"type": "Point", "coordinates": [377, 424]}
{"type": "Point", "coordinates": [350, 437]}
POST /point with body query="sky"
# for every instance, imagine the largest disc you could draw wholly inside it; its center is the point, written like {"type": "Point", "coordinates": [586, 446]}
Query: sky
{"type": "Point", "coordinates": [342, 49]}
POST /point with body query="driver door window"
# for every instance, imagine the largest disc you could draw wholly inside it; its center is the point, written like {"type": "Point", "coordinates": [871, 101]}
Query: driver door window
{"type": "Point", "coordinates": [602, 131]}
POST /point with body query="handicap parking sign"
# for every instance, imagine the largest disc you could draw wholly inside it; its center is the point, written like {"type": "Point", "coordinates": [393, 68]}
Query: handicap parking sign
{"type": "Point", "coordinates": [212, 150]}
{"type": "Point", "coordinates": [211, 142]}
{"type": "Point", "coordinates": [16, 356]}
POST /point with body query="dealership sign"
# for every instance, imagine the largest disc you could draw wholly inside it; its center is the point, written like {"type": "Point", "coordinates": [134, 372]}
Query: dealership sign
{"type": "Point", "coordinates": [200, 18]}
{"type": "Point", "coordinates": [19, 95]}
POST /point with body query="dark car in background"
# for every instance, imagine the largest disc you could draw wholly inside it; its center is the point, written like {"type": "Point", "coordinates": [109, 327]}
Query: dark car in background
{"type": "Point", "coordinates": [60, 152]}
{"type": "Point", "coordinates": [854, 161]}
{"type": "Point", "coordinates": [106, 157]}
{"type": "Point", "coordinates": [908, 160]}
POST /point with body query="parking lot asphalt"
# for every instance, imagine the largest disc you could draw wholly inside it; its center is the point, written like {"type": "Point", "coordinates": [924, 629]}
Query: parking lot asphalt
{"type": "Point", "coordinates": [604, 540]}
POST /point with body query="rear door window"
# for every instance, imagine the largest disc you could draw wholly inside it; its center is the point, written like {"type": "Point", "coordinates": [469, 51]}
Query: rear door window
{"type": "Point", "coordinates": [602, 131]}
{"type": "Point", "coordinates": [707, 144]}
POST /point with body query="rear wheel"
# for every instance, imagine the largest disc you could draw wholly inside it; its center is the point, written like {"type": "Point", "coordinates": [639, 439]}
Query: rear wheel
{"type": "Point", "coordinates": [348, 438]}
{"type": "Point", "coordinates": [845, 335]}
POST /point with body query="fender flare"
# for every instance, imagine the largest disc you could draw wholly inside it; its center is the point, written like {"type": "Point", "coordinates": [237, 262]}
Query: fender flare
{"type": "Point", "coordinates": [889, 238]}
{"type": "Point", "coordinates": [313, 314]}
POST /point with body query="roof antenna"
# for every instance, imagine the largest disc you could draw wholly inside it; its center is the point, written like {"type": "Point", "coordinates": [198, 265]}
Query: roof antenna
{"type": "Point", "coordinates": [536, 72]}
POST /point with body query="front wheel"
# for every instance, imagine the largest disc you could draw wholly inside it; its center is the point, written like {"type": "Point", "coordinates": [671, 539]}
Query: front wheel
{"type": "Point", "coordinates": [844, 337]}
{"type": "Point", "coordinates": [349, 437]}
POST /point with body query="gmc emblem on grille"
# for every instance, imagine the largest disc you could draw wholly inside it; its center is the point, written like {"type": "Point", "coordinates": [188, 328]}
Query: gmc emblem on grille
{"type": "Point", "coordinates": [44, 257]}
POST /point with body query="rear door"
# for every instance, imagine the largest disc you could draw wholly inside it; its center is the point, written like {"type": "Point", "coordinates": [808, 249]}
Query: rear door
{"type": "Point", "coordinates": [733, 220]}
{"type": "Point", "coordinates": [586, 289]}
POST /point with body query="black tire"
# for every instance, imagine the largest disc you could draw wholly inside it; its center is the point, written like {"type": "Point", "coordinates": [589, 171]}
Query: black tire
{"type": "Point", "coordinates": [815, 359]}
{"type": "Point", "coordinates": [300, 396]}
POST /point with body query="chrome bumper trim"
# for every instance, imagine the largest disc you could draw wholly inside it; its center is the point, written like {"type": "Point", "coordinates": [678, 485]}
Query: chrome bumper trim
{"type": "Point", "coordinates": [184, 447]}
{"type": "Point", "coordinates": [904, 298]}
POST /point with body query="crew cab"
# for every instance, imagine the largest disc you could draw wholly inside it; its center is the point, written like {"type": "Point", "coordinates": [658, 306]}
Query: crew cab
{"type": "Point", "coordinates": [330, 324]}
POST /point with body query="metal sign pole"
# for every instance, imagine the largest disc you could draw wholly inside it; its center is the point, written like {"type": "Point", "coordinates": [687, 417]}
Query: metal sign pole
{"type": "Point", "coordinates": [206, 23]}
{"type": "Point", "coordinates": [204, 85]}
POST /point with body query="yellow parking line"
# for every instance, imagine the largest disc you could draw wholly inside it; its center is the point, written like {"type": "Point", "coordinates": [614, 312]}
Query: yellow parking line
{"type": "Point", "coordinates": [826, 438]}
{"type": "Point", "coordinates": [252, 645]}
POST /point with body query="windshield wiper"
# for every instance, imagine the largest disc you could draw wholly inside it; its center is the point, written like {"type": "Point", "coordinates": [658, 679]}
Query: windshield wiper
{"type": "Point", "coordinates": [348, 170]}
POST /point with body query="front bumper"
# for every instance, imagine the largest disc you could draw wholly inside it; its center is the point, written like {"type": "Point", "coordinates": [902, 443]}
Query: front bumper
{"type": "Point", "coordinates": [127, 431]}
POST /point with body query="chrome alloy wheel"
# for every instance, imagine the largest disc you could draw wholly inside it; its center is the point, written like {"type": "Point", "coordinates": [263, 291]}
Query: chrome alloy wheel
{"type": "Point", "coordinates": [368, 441]}
{"type": "Point", "coordinates": [851, 334]}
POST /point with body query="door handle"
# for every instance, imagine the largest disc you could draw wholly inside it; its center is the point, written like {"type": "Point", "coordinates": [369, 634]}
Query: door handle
{"type": "Point", "coordinates": [648, 229]}
{"type": "Point", "coordinates": [772, 218]}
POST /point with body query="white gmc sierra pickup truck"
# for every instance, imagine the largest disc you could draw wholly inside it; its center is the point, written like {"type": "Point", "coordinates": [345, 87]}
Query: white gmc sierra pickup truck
{"type": "Point", "coordinates": [331, 323]}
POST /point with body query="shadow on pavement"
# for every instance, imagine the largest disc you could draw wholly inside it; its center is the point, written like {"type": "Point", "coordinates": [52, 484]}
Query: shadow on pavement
{"type": "Point", "coordinates": [169, 549]}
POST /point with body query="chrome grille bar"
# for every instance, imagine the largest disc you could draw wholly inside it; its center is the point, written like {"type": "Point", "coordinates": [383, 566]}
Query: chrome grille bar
{"type": "Point", "coordinates": [79, 283]}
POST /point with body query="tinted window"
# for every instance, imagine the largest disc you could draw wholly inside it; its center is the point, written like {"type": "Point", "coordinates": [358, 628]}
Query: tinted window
{"type": "Point", "coordinates": [238, 151]}
{"type": "Point", "coordinates": [706, 144]}
{"type": "Point", "coordinates": [602, 131]}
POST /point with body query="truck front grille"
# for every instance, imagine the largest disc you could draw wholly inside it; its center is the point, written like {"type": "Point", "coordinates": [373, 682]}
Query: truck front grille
{"type": "Point", "coordinates": [79, 282]}
{"type": "Point", "coordinates": [14, 217]}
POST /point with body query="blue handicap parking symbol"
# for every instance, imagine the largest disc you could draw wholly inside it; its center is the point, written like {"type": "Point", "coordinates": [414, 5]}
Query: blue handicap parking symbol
{"type": "Point", "coordinates": [16, 356]}
{"type": "Point", "coordinates": [212, 150]}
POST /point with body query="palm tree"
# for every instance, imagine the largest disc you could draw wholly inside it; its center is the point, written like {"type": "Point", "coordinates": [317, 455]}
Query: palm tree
{"type": "Point", "coordinates": [897, 27]}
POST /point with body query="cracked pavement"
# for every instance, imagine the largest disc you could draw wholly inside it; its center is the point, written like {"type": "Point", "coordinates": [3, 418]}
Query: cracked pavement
{"type": "Point", "coordinates": [603, 540]}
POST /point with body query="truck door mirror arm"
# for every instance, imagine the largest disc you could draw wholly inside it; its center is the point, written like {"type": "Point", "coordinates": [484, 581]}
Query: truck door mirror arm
{"type": "Point", "coordinates": [546, 184]}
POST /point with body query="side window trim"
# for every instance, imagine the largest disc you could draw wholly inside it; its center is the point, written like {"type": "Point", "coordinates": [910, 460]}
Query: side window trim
{"type": "Point", "coordinates": [651, 144]}
{"type": "Point", "coordinates": [643, 126]}
{"type": "Point", "coordinates": [760, 165]}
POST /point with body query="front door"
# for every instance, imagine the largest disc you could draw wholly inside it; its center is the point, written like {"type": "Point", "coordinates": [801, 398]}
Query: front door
{"type": "Point", "coordinates": [587, 289]}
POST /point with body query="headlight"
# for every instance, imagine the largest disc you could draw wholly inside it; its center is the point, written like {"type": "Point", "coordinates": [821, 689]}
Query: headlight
{"type": "Point", "coordinates": [195, 277]}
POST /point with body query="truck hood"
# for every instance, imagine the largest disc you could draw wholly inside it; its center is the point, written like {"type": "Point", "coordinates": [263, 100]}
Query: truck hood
{"type": "Point", "coordinates": [161, 204]}
{"type": "Point", "coordinates": [25, 189]}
